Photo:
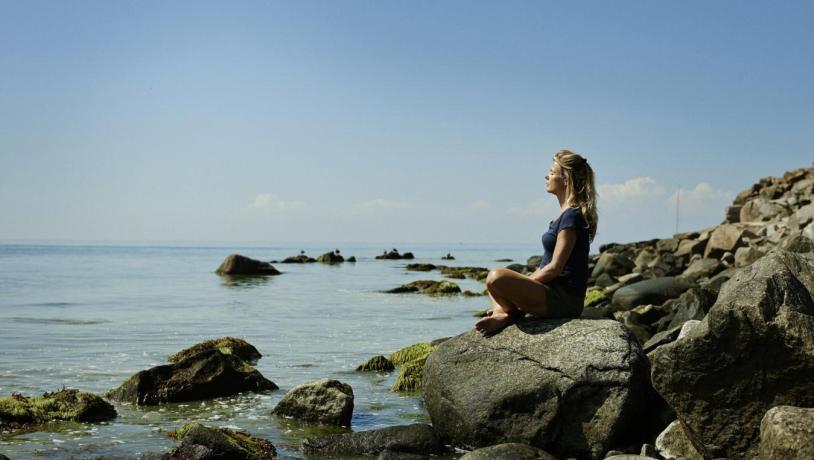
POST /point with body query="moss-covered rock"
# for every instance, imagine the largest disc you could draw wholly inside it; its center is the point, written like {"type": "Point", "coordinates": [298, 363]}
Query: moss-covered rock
{"type": "Point", "coordinates": [593, 297]}
{"type": "Point", "coordinates": [473, 294]}
{"type": "Point", "coordinates": [19, 411]}
{"type": "Point", "coordinates": [220, 443]}
{"type": "Point", "coordinates": [481, 313]}
{"type": "Point", "coordinates": [421, 267]}
{"type": "Point", "coordinates": [475, 273]}
{"type": "Point", "coordinates": [324, 401]}
{"type": "Point", "coordinates": [410, 373]}
{"type": "Point", "coordinates": [226, 345]}
{"type": "Point", "coordinates": [430, 287]}
{"type": "Point", "coordinates": [376, 364]}
{"type": "Point", "coordinates": [394, 255]}
{"type": "Point", "coordinates": [411, 353]}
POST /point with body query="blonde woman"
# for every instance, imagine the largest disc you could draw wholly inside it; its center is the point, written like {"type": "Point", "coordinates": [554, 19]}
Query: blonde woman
{"type": "Point", "coordinates": [557, 288]}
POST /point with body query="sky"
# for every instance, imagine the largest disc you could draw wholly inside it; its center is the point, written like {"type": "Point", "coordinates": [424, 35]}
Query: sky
{"type": "Point", "coordinates": [385, 121]}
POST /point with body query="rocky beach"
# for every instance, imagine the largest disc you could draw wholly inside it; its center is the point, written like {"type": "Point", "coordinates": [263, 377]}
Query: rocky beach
{"type": "Point", "coordinates": [698, 345]}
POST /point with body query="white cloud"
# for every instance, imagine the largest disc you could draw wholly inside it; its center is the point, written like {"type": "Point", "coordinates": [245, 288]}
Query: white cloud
{"type": "Point", "coordinates": [631, 191]}
{"type": "Point", "coordinates": [702, 197]}
{"type": "Point", "coordinates": [266, 202]}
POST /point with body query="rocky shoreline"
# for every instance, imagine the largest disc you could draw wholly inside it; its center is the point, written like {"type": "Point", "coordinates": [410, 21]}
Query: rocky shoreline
{"type": "Point", "coordinates": [695, 346]}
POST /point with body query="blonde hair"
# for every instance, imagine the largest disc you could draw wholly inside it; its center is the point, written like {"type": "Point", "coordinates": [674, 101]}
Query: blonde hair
{"type": "Point", "coordinates": [579, 180]}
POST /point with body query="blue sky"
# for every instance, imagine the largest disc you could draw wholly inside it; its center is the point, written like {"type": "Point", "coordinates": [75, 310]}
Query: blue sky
{"type": "Point", "coordinates": [380, 121]}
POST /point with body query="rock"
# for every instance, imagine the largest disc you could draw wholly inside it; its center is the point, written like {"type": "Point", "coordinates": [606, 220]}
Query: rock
{"type": "Point", "coordinates": [661, 338]}
{"type": "Point", "coordinates": [475, 273]}
{"type": "Point", "coordinates": [448, 257]}
{"type": "Point", "coordinates": [205, 375]}
{"type": "Point", "coordinates": [593, 297]}
{"type": "Point", "coordinates": [469, 293]}
{"type": "Point", "coordinates": [808, 231]}
{"type": "Point", "coordinates": [787, 433]}
{"type": "Point", "coordinates": [754, 350]}
{"type": "Point", "coordinates": [762, 210]}
{"type": "Point", "coordinates": [629, 457]}
{"type": "Point", "coordinates": [376, 364]}
{"type": "Point", "coordinates": [417, 438]}
{"type": "Point", "coordinates": [747, 255]}
{"type": "Point", "coordinates": [703, 268]}
{"type": "Point", "coordinates": [726, 238]}
{"type": "Point", "coordinates": [733, 213]}
{"type": "Point", "coordinates": [519, 268]}
{"type": "Point", "coordinates": [667, 245]}
{"type": "Point", "coordinates": [653, 291]}
{"type": "Point", "coordinates": [388, 454]}
{"type": "Point", "coordinates": [394, 255]}
{"type": "Point", "coordinates": [300, 259]}
{"type": "Point", "coordinates": [648, 450]}
{"type": "Point", "coordinates": [411, 353]}
{"type": "Point", "coordinates": [429, 287]}
{"type": "Point", "coordinates": [235, 264]}
{"type": "Point", "coordinates": [351, 259]}
{"type": "Point", "coordinates": [331, 258]}
{"type": "Point", "coordinates": [799, 244]}
{"type": "Point", "coordinates": [604, 280]}
{"type": "Point", "coordinates": [421, 267]}
{"type": "Point", "coordinates": [508, 451]}
{"type": "Point", "coordinates": [572, 387]}
{"type": "Point", "coordinates": [325, 401]}
{"type": "Point", "coordinates": [687, 328]}
{"type": "Point", "coordinates": [503, 260]}
{"type": "Point", "coordinates": [533, 262]}
{"type": "Point", "coordinates": [410, 361]}
{"type": "Point", "coordinates": [673, 443]}
{"type": "Point", "coordinates": [687, 248]}
{"type": "Point", "coordinates": [226, 345]}
{"type": "Point", "coordinates": [200, 442]}
{"type": "Point", "coordinates": [21, 412]}
{"type": "Point", "coordinates": [613, 264]}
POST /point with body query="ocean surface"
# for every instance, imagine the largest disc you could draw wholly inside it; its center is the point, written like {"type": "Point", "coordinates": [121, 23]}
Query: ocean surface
{"type": "Point", "coordinates": [88, 316]}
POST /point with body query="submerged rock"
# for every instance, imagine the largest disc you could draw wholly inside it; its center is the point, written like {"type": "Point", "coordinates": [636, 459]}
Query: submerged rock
{"type": "Point", "coordinates": [226, 345]}
{"type": "Point", "coordinates": [417, 438]}
{"type": "Point", "coordinates": [205, 375]}
{"type": "Point", "coordinates": [199, 442]}
{"type": "Point", "coordinates": [572, 387]}
{"type": "Point", "coordinates": [421, 267]}
{"type": "Point", "coordinates": [754, 350]}
{"type": "Point", "coordinates": [323, 401]}
{"type": "Point", "coordinates": [429, 287]}
{"type": "Point", "coordinates": [235, 264]}
{"type": "Point", "coordinates": [19, 411]}
{"type": "Point", "coordinates": [299, 259]}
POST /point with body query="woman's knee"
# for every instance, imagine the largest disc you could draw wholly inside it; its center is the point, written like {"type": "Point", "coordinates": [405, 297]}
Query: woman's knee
{"type": "Point", "coordinates": [494, 277]}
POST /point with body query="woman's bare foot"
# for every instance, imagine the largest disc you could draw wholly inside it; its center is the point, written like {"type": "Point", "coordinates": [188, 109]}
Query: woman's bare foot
{"type": "Point", "coordinates": [493, 324]}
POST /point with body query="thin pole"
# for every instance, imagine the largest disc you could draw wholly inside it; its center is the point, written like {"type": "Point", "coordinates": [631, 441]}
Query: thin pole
{"type": "Point", "coordinates": [678, 199]}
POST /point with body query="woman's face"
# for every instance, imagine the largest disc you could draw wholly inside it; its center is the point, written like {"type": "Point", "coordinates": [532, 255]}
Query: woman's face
{"type": "Point", "coordinates": [554, 180]}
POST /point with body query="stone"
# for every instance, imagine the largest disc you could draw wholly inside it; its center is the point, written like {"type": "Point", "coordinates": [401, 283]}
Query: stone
{"type": "Point", "coordinates": [299, 259]}
{"type": "Point", "coordinates": [325, 401]}
{"type": "Point", "coordinates": [421, 267]}
{"type": "Point", "coordinates": [703, 268]}
{"type": "Point", "coordinates": [572, 387]}
{"type": "Point", "coordinates": [351, 259]}
{"type": "Point", "coordinates": [430, 287]}
{"type": "Point", "coordinates": [762, 210]}
{"type": "Point", "coordinates": [21, 412]}
{"type": "Point", "coordinates": [733, 213]}
{"type": "Point", "coordinates": [475, 273]}
{"type": "Point", "coordinates": [331, 258]}
{"type": "Point", "coordinates": [205, 375]}
{"type": "Point", "coordinates": [805, 214]}
{"type": "Point", "coordinates": [394, 255]}
{"type": "Point", "coordinates": [726, 238]}
{"type": "Point", "coordinates": [519, 268]}
{"type": "Point", "coordinates": [226, 345]}
{"type": "Point", "coordinates": [508, 451]}
{"type": "Point", "coordinates": [694, 303]}
{"type": "Point", "coordinates": [799, 244]}
{"type": "Point", "coordinates": [687, 327]}
{"type": "Point", "coordinates": [747, 255]}
{"type": "Point", "coordinates": [533, 262]}
{"type": "Point", "coordinates": [417, 438]}
{"type": "Point", "coordinates": [612, 264]}
{"type": "Point", "coordinates": [604, 280]}
{"type": "Point", "coordinates": [667, 245]}
{"type": "Point", "coordinates": [411, 361]}
{"type": "Point", "coordinates": [652, 291]}
{"type": "Point", "coordinates": [673, 443]}
{"type": "Point", "coordinates": [388, 454]}
{"type": "Point", "coordinates": [200, 442]}
{"type": "Point", "coordinates": [787, 433]}
{"type": "Point", "coordinates": [808, 231]}
{"type": "Point", "coordinates": [236, 264]}
{"type": "Point", "coordinates": [687, 248]}
{"type": "Point", "coordinates": [448, 257]}
{"type": "Point", "coordinates": [754, 350]}
{"type": "Point", "coordinates": [376, 364]}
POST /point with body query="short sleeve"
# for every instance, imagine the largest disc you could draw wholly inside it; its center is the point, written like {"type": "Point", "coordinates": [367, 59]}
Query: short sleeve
{"type": "Point", "coordinates": [572, 218]}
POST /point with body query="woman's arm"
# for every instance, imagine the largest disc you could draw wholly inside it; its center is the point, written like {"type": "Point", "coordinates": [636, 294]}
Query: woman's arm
{"type": "Point", "coordinates": [566, 239]}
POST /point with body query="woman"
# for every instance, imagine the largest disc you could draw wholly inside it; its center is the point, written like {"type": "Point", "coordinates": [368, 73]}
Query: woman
{"type": "Point", "coordinates": [557, 288]}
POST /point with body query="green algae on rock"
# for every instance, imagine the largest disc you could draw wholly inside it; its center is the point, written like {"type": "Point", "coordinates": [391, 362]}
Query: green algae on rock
{"type": "Point", "coordinates": [475, 273]}
{"type": "Point", "coordinates": [429, 287]}
{"type": "Point", "coordinates": [411, 353]}
{"type": "Point", "coordinates": [593, 297]}
{"type": "Point", "coordinates": [226, 345]}
{"type": "Point", "coordinates": [376, 364]}
{"type": "Point", "coordinates": [410, 361]}
{"type": "Point", "coordinates": [222, 443]}
{"type": "Point", "coordinates": [19, 411]}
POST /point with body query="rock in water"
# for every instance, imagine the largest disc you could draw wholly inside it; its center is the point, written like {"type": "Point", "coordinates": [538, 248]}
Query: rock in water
{"type": "Point", "coordinates": [508, 451]}
{"type": "Point", "coordinates": [226, 345]}
{"type": "Point", "coordinates": [235, 264]}
{"type": "Point", "coordinates": [571, 387]}
{"type": "Point", "coordinates": [787, 433]}
{"type": "Point", "coordinates": [417, 438]}
{"type": "Point", "coordinates": [754, 350]}
{"type": "Point", "coordinates": [200, 442]}
{"type": "Point", "coordinates": [19, 411]}
{"type": "Point", "coordinates": [322, 401]}
{"type": "Point", "coordinates": [204, 375]}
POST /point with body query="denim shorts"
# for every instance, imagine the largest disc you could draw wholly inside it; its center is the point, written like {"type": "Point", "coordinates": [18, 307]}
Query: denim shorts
{"type": "Point", "coordinates": [561, 304]}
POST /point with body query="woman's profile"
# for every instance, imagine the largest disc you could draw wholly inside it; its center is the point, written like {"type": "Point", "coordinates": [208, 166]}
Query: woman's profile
{"type": "Point", "coordinates": [557, 288]}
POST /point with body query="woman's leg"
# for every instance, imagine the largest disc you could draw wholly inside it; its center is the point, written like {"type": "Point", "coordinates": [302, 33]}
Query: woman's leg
{"type": "Point", "coordinates": [510, 291]}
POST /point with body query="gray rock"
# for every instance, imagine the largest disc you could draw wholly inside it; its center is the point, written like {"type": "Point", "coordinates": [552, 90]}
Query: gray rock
{"type": "Point", "coordinates": [673, 443]}
{"type": "Point", "coordinates": [799, 244]}
{"type": "Point", "coordinates": [787, 433]}
{"type": "Point", "coordinates": [325, 401]}
{"type": "Point", "coordinates": [808, 231]}
{"type": "Point", "coordinates": [687, 248]}
{"type": "Point", "coordinates": [613, 264]}
{"type": "Point", "coordinates": [508, 451]}
{"type": "Point", "coordinates": [629, 457]}
{"type": "Point", "coordinates": [687, 328]}
{"type": "Point", "coordinates": [653, 291]}
{"type": "Point", "coordinates": [571, 387]}
{"type": "Point", "coordinates": [533, 262]}
{"type": "Point", "coordinates": [754, 350]}
{"type": "Point", "coordinates": [331, 258]}
{"type": "Point", "coordinates": [703, 268]}
{"type": "Point", "coordinates": [388, 454]}
{"type": "Point", "coordinates": [203, 443]}
{"type": "Point", "coordinates": [236, 264]}
{"type": "Point", "coordinates": [747, 256]}
{"type": "Point", "coordinates": [417, 438]}
{"type": "Point", "coordinates": [692, 304]}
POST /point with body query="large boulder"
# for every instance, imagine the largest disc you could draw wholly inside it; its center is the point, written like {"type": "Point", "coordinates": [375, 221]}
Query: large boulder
{"type": "Point", "coordinates": [226, 345]}
{"type": "Point", "coordinates": [325, 401]}
{"type": "Point", "coordinates": [673, 443]}
{"type": "Point", "coordinates": [331, 258]}
{"type": "Point", "coordinates": [205, 375]}
{"type": "Point", "coordinates": [613, 264]}
{"type": "Point", "coordinates": [726, 238]}
{"type": "Point", "coordinates": [237, 265]}
{"type": "Point", "coordinates": [652, 291]}
{"type": "Point", "coordinates": [416, 439]}
{"type": "Point", "coordinates": [430, 287]}
{"type": "Point", "coordinates": [572, 387]}
{"type": "Point", "coordinates": [508, 451]}
{"type": "Point", "coordinates": [18, 411]}
{"type": "Point", "coordinates": [787, 433]}
{"type": "Point", "coordinates": [754, 350]}
{"type": "Point", "coordinates": [199, 442]}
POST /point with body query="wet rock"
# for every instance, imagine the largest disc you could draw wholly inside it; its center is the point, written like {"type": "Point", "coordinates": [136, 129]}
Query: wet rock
{"type": "Point", "coordinates": [203, 443]}
{"type": "Point", "coordinates": [429, 287]}
{"type": "Point", "coordinates": [299, 259]}
{"type": "Point", "coordinates": [653, 291]}
{"type": "Point", "coordinates": [519, 268]}
{"type": "Point", "coordinates": [351, 259]}
{"type": "Point", "coordinates": [787, 433]}
{"type": "Point", "coordinates": [415, 439]}
{"type": "Point", "coordinates": [235, 264]}
{"type": "Point", "coordinates": [18, 411]}
{"type": "Point", "coordinates": [533, 262]}
{"type": "Point", "coordinates": [325, 401]}
{"type": "Point", "coordinates": [205, 375]}
{"type": "Point", "coordinates": [376, 364]}
{"type": "Point", "coordinates": [571, 387]}
{"type": "Point", "coordinates": [410, 361]}
{"type": "Point", "coordinates": [226, 345]}
{"type": "Point", "coordinates": [388, 454]}
{"type": "Point", "coordinates": [331, 258]}
{"type": "Point", "coordinates": [508, 451]}
{"type": "Point", "coordinates": [448, 257]}
{"type": "Point", "coordinates": [475, 273]}
{"type": "Point", "coordinates": [421, 267]}
{"type": "Point", "coordinates": [394, 255]}
{"type": "Point", "coordinates": [469, 293]}
{"type": "Point", "coordinates": [673, 443]}
{"type": "Point", "coordinates": [754, 350]}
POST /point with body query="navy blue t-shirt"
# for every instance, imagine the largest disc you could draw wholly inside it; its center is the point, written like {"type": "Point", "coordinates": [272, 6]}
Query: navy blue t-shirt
{"type": "Point", "coordinates": [574, 276]}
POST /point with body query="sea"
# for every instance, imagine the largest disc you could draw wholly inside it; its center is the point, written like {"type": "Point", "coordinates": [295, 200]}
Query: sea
{"type": "Point", "coordinates": [89, 315]}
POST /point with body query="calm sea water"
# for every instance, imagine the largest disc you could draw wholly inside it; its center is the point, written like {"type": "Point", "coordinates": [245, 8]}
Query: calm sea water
{"type": "Point", "coordinates": [89, 316]}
